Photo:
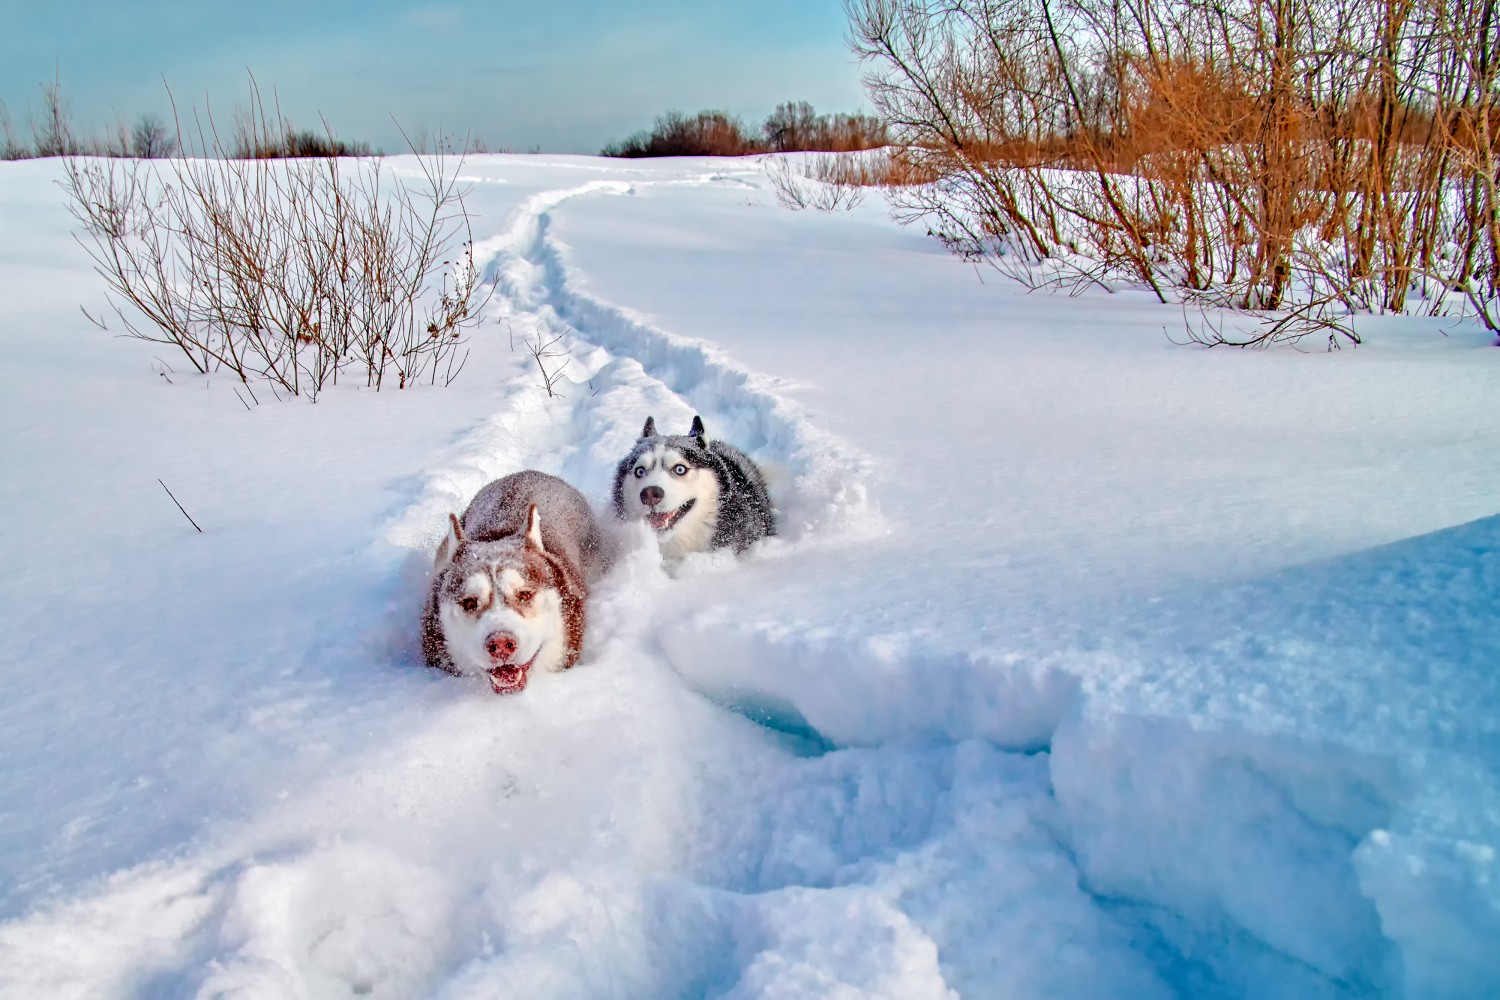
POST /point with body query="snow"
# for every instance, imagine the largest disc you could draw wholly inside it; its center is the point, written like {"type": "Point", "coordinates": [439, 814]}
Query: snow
{"type": "Point", "coordinates": [1084, 664]}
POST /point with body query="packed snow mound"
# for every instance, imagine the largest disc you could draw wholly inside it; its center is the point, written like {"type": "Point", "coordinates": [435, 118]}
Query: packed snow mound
{"type": "Point", "coordinates": [1305, 763]}
{"type": "Point", "coordinates": [1356, 699]}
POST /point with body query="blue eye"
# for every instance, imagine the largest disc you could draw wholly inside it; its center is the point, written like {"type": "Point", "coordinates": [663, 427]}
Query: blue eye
{"type": "Point", "coordinates": [679, 469]}
{"type": "Point", "coordinates": [640, 470]}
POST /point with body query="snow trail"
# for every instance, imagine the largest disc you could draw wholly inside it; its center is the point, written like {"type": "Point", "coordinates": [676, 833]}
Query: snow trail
{"type": "Point", "coordinates": [822, 478]}
{"type": "Point", "coordinates": [619, 369]}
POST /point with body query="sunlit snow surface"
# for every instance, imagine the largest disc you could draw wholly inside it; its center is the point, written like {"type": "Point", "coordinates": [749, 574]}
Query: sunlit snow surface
{"type": "Point", "coordinates": [1084, 665]}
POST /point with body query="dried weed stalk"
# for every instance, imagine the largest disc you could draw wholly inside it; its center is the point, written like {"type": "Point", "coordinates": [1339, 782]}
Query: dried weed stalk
{"type": "Point", "coordinates": [821, 182]}
{"type": "Point", "coordinates": [544, 352]}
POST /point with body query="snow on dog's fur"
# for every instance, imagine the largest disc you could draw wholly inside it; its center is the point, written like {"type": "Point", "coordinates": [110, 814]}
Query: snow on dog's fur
{"type": "Point", "coordinates": [511, 580]}
{"type": "Point", "coordinates": [695, 493]}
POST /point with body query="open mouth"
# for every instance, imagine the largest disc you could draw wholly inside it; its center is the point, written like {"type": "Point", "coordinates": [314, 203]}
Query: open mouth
{"type": "Point", "coordinates": [510, 678]}
{"type": "Point", "coordinates": [664, 522]}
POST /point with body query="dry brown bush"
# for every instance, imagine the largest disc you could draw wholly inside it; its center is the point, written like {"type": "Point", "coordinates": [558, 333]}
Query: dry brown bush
{"type": "Point", "coordinates": [819, 182]}
{"type": "Point", "coordinates": [294, 271]}
{"type": "Point", "coordinates": [793, 127]}
{"type": "Point", "coordinates": [1302, 159]}
{"type": "Point", "coordinates": [796, 127]}
{"type": "Point", "coordinates": [261, 133]}
{"type": "Point", "coordinates": [11, 148]}
{"type": "Point", "coordinates": [708, 133]}
{"type": "Point", "coordinates": [838, 181]}
{"type": "Point", "coordinates": [149, 137]}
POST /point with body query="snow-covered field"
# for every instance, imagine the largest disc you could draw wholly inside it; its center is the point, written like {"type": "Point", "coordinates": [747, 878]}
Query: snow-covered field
{"type": "Point", "coordinates": [1084, 666]}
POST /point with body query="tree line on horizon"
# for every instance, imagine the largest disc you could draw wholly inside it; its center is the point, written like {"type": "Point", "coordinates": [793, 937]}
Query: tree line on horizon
{"type": "Point", "coordinates": [793, 127]}
{"type": "Point", "coordinates": [151, 137]}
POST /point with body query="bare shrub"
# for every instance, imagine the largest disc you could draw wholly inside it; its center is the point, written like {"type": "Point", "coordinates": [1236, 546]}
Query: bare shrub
{"type": "Point", "coordinates": [151, 139]}
{"type": "Point", "coordinates": [294, 271]}
{"type": "Point", "coordinates": [264, 133]}
{"type": "Point", "coordinates": [795, 127]}
{"type": "Point", "coordinates": [452, 143]}
{"type": "Point", "coordinates": [838, 181]}
{"type": "Point", "coordinates": [828, 183]}
{"type": "Point", "coordinates": [1301, 160]}
{"type": "Point", "coordinates": [293, 143]}
{"type": "Point", "coordinates": [10, 147]}
{"type": "Point", "coordinates": [708, 133]}
{"type": "Point", "coordinates": [52, 130]}
{"type": "Point", "coordinates": [148, 139]}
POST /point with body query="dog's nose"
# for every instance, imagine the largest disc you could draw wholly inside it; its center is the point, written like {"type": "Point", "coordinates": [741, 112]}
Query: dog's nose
{"type": "Point", "coordinates": [500, 645]}
{"type": "Point", "coordinates": [653, 495]}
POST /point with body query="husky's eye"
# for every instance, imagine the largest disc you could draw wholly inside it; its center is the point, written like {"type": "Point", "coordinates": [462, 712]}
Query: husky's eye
{"type": "Point", "coordinates": [524, 596]}
{"type": "Point", "coordinates": [679, 469]}
{"type": "Point", "coordinates": [469, 604]}
{"type": "Point", "coordinates": [640, 470]}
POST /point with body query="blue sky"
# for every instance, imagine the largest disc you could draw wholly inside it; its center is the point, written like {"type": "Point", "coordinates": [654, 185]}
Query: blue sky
{"type": "Point", "coordinates": [565, 76]}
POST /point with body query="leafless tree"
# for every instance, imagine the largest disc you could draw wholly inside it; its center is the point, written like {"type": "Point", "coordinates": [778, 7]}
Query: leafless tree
{"type": "Point", "coordinates": [151, 138]}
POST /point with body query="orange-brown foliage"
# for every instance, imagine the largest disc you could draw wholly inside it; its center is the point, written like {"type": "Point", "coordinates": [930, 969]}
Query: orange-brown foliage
{"type": "Point", "coordinates": [1306, 157]}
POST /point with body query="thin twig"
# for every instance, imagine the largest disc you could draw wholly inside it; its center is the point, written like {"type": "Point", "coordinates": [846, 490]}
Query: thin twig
{"type": "Point", "coordinates": [97, 322]}
{"type": "Point", "coordinates": [180, 507]}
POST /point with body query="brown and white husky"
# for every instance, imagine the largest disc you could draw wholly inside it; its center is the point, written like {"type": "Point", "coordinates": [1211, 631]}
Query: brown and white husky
{"type": "Point", "coordinates": [511, 581]}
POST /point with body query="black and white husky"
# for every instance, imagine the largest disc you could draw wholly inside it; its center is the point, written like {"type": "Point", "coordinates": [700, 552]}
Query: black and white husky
{"type": "Point", "coordinates": [695, 493]}
{"type": "Point", "coordinates": [511, 580]}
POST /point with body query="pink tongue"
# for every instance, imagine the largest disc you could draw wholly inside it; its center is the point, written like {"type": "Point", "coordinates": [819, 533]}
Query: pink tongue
{"type": "Point", "coordinates": [659, 521]}
{"type": "Point", "coordinates": [507, 680]}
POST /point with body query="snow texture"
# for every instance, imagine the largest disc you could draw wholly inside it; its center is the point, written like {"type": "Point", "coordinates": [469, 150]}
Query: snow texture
{"type": "Point", "coordinates": [1081, 665]}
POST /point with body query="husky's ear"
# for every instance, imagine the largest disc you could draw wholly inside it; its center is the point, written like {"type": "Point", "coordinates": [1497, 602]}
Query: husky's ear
{"type": "Point", "coordinates": [534, 529]}
{"type": "Point", "coordinates": [449, 546]}
{"type": "Point", "coordinates": [649, 431]}
{"type": "Point", "coordinates": [697, 429]}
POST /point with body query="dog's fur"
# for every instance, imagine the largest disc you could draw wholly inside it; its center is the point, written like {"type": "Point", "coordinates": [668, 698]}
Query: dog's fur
{"type": "Point", "coordinates": [511, 580]}
{"type": "Point", "coordinates": [696, 494]}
